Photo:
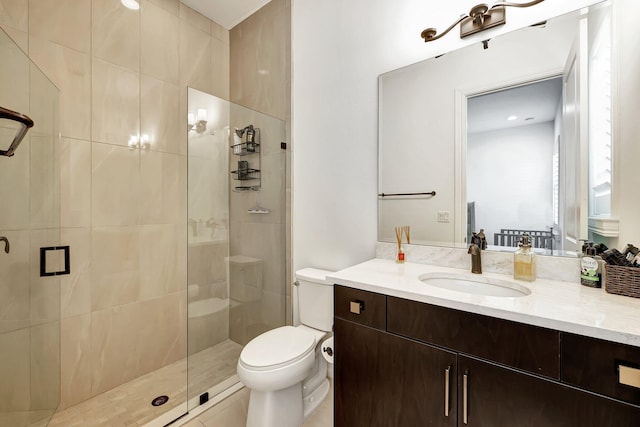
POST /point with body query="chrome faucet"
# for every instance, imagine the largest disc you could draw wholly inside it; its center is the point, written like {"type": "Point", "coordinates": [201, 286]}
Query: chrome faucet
{"type": "Point", "coordinates": [476, 258]}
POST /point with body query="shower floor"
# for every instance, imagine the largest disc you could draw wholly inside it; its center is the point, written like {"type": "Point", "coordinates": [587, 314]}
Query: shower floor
{"type": "Point", "coordinates": [130, 404]}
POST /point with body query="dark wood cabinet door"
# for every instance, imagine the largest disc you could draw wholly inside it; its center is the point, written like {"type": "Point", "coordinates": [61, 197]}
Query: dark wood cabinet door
{"type": "Point", "coordinates": [385, 380]}
{"type": "Point", "coordinates": [595, 364]}
{"type": "Point", "coordinates": [502, 397]}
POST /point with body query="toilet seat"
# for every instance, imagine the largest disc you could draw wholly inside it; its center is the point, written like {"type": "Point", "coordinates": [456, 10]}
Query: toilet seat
{"type": "Point", "coordinates": [277, 348]}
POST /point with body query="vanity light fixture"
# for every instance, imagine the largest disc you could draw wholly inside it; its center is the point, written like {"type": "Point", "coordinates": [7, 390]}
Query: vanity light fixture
{"type": "Point", "coordinates": [479, 18]}
{"type": "Point", "coordinates": [131, 4]}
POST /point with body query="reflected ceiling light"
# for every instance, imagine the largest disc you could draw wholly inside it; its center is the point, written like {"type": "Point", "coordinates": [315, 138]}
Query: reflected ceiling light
{"type": "Point", "coordinates": [131, 4]}
{"type": "Point", "coordinates": [479, 18]}
{"type": "Point", "coordinates": [512, 117]}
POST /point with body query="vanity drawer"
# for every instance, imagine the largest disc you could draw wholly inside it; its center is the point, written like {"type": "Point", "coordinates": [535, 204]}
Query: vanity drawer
{"type": "Point", "coordinates": [601, 366]}
{"type": "Point", "coordinates": [526, 347]}
{"type": "Point", "coordinates": [365, 308]}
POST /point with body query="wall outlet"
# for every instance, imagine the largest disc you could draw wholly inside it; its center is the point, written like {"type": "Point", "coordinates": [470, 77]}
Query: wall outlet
{"type": "Point", "coordinates": [443, 216]}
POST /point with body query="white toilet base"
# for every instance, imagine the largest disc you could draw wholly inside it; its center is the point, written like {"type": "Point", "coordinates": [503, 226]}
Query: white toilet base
{"type": "Point", "coordinates": [316, 397]}
{"type": "Point", "coordinates": [280, 408]}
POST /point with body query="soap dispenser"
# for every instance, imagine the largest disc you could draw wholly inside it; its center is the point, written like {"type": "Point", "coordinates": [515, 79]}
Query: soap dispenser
{"type": "Point", "coordinates": [524, 260]}
{"type": "Point", "coordinates": [591, 266]}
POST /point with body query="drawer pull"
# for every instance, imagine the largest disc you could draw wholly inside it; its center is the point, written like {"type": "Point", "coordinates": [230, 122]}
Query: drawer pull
{"type": "Point", "coordinates": [447, 374]}
{"type": "Point", "coordinates": [629, 376]}
{"type": "Point", "coordinates": [465, 398]}
{"type": "Point", "coordinates": [356, 307]}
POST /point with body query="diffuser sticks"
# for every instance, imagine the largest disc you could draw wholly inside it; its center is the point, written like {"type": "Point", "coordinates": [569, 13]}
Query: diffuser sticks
{"type": "Point", "coordinates": [400, 231]}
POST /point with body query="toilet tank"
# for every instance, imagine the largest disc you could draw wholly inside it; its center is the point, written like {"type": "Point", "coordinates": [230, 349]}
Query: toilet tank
{"type": "Point", "coordinates": [315, 298]}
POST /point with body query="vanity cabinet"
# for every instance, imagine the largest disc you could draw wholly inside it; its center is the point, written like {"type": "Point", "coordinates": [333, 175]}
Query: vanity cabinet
{"type": "Point", "coordinates": [385, 380]}
{"type": "Point", "coordinates": [392, 369]}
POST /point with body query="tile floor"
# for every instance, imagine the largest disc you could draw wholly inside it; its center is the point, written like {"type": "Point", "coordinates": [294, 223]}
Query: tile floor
{"type": "Point", "coordinates": [129, 404]}
{"type": "Point", "coordinates": [232, 412]}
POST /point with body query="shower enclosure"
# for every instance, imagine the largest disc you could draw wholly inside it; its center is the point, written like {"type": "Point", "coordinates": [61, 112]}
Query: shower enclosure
{"type": "Point", "coordinates": [166, 338]}
{"type": "Point", "coordinates": [29, 221]}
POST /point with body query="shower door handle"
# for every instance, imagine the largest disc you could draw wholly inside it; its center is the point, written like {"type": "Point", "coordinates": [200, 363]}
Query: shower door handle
{"type": "Point", "coordinates": [43, 261]}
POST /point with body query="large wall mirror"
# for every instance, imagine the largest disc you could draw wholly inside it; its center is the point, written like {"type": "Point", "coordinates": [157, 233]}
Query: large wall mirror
{"type": "Point", "coordinates": [512, 137]}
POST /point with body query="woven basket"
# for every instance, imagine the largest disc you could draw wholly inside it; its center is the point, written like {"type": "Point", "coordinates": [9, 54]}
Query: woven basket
{"type": "Point", "coordinates": [622, 280]}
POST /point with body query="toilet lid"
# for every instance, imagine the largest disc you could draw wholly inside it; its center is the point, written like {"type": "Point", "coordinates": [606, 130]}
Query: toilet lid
{"type": "Point", "coordinates": [277, 347]}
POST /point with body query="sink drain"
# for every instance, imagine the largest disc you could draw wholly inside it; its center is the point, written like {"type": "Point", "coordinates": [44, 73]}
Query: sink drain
{"type": "Point", "coordinates": [160, 400]}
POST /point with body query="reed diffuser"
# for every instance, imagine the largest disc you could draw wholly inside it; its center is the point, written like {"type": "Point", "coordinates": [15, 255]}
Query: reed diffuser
{"type": "Point", "coordinates": [400, 231]}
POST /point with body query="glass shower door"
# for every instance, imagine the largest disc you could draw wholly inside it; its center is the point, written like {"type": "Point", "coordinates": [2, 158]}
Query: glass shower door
{"type": "Point", "coordinates": [29, 221]}
{"type": "Point", "coordinates": [236, 254]}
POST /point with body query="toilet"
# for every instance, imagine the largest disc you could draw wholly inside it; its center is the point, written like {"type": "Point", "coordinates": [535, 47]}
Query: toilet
{"type": "Point", "coordinates": [283, 367]}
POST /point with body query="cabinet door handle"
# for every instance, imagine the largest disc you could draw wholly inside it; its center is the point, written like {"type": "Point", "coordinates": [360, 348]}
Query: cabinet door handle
{"type": "Point", "coordinates": [447, 373]}
{"type": "Point", "coordinates": [356, 307]}
{"type": "Point", "coordinates": [465, 397]}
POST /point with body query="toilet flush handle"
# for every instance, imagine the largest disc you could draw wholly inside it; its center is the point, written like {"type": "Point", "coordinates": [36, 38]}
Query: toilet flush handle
{"type": "Point", "coordinates": [328, 350]}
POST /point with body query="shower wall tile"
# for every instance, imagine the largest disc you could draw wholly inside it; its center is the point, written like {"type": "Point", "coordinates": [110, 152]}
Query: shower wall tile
{"type": "Point", "coordinates": [65, 22]}
{"type": "Point", "coordinates": [75, 360]}
{"type": "Point", "coordinates": [70, 71]}
{"type": "Point", "coordinates": [273, 309]}
{"type": "Point", "coordinates": [14, 371]}
{"type": "Point", "coordinates": [159, 41]}
{"type": "Point", "coordinates": [115, 185]}
{"type": "Point", "coordinates": [115, 266]}
{"type": "Point", "coordinates": [195, 59]}
{"type": "Point", "coordinates": [14, 77]}
{"type": "Point", "coordinates": [220, 66]}
{"type": "Point", "coordinates": [171, 6]}
{"type": "Point", "coordinates": [160, 114]}
{"type": "Point", "coordinates": [45, 365]}
{"type": "Point", "coordinates": [133, 339]}
{"type": "Point", "coordinates": [219, 32]}
{"type": "Point", "coordinates": [262, 241]}
{"type": "Point", "coordinates": [115, 33]}
{"type": "Point", "coordinates": [15, 198]}
{"type": "Point", "coordinates": [44, 181]}
{"type": "Point", "coordinates": [162, 260]}
{"type": "Point", "coordinates": [21, 38]}
{"type": "Point", "coordinates": [259, 60]}
{"type": "Point", "coordinates": [45, 291]}
{"type": "Point", "coordinates": [14, 273]}
{"type": "Point", "coordinates": [160, 188]}
{"type": "Point", "coordinates": [194, 19]}
{"type": "Point", "coordinates": [15, 14]}
{"type": "Point", "coordinates": [75, 183]}
{"type": "Point", "coordinates": [115, 95]}
{"type": "Point", "coordinates": [75, 289]}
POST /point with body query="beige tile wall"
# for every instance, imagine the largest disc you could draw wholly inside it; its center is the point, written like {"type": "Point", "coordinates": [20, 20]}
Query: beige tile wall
{"type": "Point", "coordinates": [120, 73]}
{"type": "Point", "coordinates": [260, 79]}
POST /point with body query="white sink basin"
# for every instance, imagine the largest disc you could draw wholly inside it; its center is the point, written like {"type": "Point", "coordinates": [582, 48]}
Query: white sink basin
{"type": "Point", "coordinates": [475, 284]}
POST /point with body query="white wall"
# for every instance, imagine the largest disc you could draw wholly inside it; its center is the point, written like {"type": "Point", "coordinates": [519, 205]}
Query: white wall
{"type": "Point", "coordinates": [520, 194]}
{"type": "Point", "coordinates": [338, 50]}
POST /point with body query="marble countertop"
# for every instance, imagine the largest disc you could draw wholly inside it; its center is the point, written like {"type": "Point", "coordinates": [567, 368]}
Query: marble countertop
{"type": "Point", "coordinates": [563, 306]}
